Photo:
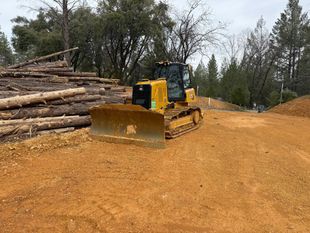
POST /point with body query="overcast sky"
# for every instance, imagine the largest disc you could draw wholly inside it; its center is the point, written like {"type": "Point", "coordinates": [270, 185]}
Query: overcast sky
{"type": "Point", "coordinates": [239, 14]}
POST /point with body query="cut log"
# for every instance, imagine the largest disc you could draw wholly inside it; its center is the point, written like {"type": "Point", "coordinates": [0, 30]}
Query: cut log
{"type": "Point", "coordinates": [24, 74]}
{"type": "Point", "coordinates": [95, 91]}
{"type": "Point", "coordinates": [31, 134]}
{"type": "Point", "coordinates": [118, 89]}
{"type": "Point", "coordinates": [39, 88]}
{"type": "Point", "coordinates": [42, 58]}
{"type": "Point", "coordinates": [75, 99]}
{"type": "Point", "coordinates": [17, 87]}
{"type": "Point", "coordinates": [36, 87]}
{"type": "Point", "coordinates": [56, 64]}
{"type": "Point", "coordinates": [56, 79]}
{"type": "Point", "coordinates": [76, 74]}
{"type": "Point", "coordinates": [55, 131]}
{"type": "Point", "coordinates": [5, 94]}
{"type": "Point", "coordinates": [33, 80]}
{"type": "Point", "coordinates": [46, 111]}
{"type": "Point", "coordinates": [10, 88]}
{"type": "Point", "coordinates": [57, 122]}
{"type": "Point", "coordinates": [111, 81]}
{"type": "Point", "coordinates": [38, 69]}
{"type": "Point", "coordinates": [95, 79]}
{"type": "Point", "coordinates": [125, 95]}
{"type": "Point", "coordinates": [114, 99]}
{"type": "Point", "coordinates": [29, 121]}
{"type": "Point", "coordinates": [19, 101]}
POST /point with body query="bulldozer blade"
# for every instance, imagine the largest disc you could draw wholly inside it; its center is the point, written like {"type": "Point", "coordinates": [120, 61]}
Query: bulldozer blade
{"type": "Point", "coordinates": [126, 123]}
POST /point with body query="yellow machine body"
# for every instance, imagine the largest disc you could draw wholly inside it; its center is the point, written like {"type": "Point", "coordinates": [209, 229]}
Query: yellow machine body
{"type": "Point", "coordinates": [159, 94]}
{"type": "Point", "coordinates": [190, 98]}
{"type": "Point", "coordinates": [152, 116]}
{"type": "Point", "coordinates": [127, 123]}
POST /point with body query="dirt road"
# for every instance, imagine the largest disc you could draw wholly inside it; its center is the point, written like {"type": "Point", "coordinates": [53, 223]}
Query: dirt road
{"type": "Point", "coordinates": [240, 172]}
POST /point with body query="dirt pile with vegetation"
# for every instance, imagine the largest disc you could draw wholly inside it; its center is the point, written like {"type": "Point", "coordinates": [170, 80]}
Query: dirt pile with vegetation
{"type": "Point", "coordinates": [297, 107]}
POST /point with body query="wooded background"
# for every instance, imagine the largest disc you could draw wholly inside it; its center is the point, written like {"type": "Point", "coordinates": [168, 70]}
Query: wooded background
{"type": "Point", "coordinates": [122, 39]}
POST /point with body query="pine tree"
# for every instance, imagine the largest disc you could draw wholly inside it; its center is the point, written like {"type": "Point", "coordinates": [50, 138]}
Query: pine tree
{"type": "Point", "coordinates": [212, 84]}
{"type": "Point", "coordinates": [234, 86]}
{"type": "Point", "coordinates": [200, 79]}
{"type": "Point", "coordinates": [288, 42]}
{"type": "Point", "coordinates": [303, 85]}
{"type": "Point", "coordinates": [6, 54]}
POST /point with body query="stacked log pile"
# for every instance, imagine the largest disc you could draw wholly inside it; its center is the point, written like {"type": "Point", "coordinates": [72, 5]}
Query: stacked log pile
{"type": "Point", "coordinates": [39, 97]}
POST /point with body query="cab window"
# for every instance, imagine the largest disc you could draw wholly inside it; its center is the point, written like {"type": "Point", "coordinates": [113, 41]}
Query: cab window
{"type": "Point", "coordinates": [186, 78]}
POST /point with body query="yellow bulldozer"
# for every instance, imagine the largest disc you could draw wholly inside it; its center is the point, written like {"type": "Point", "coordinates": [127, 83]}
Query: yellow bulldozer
{"type": "Point", "coordinates": [160, 109]}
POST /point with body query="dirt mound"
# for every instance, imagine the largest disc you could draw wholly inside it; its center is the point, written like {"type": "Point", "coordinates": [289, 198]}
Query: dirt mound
{"type": "Point", "coordinates": [204, 103]}
{"type": "Point", "coordinates": [297, 107]}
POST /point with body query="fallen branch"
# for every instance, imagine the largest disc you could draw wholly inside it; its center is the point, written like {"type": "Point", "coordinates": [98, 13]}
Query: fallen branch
{"type": "Point", "coordinates": [42, 58]}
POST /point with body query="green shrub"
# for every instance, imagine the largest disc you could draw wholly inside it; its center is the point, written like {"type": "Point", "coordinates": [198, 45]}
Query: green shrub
{"type": "Point", "coordinates": [240, 96]}
{"type": "Point", "coordinates": [288, 95]}
{"type": "Point", "coordinates": [274, 98]}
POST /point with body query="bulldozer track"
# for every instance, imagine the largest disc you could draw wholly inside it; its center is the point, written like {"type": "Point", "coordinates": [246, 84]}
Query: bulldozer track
{"type": "Point", "coordinates": [181, 130]}
{"type": "Point", "coordinates": [174, 114]}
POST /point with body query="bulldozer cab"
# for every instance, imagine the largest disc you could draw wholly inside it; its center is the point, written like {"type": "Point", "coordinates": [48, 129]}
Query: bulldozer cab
{"type": "Point", "coordinates": [178, 77]}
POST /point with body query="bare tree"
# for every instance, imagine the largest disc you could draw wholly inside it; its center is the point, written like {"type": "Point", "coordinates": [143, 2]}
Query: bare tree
{"type": "Point", "coordinates": [194, 32]}
{"type": "Point", "coordinates": [62, 10]}
{"type": "Point", "coordinates": [233, 46]}
{"type": "Point", "coordinates": [258, 60]}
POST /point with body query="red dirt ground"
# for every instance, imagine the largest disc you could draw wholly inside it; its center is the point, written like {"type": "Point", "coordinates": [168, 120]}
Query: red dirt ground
{"type": "Point", "coordinates": [240, 172]}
